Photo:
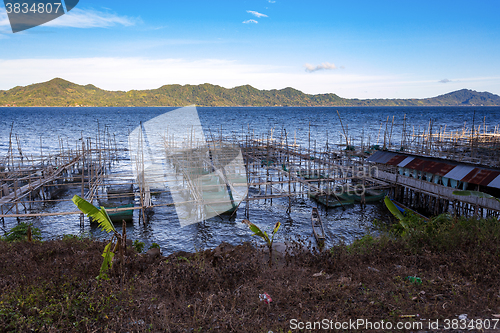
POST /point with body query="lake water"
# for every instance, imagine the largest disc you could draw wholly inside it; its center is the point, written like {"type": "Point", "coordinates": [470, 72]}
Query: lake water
{"type": "Point", "coordinates": [42, 128]}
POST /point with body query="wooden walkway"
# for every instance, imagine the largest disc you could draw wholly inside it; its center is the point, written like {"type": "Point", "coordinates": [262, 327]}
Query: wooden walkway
{"type": "Point", "coordinates": [25, 190]}
{"type": "Point", "coordinates": [436, 190]}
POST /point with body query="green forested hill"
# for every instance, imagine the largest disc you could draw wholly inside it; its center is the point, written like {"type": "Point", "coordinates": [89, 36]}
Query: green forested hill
{"type": "Point", "coordinates": [59, 92]}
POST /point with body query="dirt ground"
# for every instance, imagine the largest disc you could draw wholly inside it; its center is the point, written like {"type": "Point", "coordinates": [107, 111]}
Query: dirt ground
{"type": "Point", "coordinates": [51, 286]}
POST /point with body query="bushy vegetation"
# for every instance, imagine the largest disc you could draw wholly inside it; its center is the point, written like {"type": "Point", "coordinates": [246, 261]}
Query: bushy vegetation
{"type": "Point", "coordinates": [20, 232]}
{"type": "Point", "coordinates": [138, 246]}
{"type": "Point", "coordinates": [154, 246]}
{"type": "Point", "coordinates": [59, 92]}
{"type": "Point", "coordinates": [51, 286]}
{"type": "Point", "coordinates": [443, 233]}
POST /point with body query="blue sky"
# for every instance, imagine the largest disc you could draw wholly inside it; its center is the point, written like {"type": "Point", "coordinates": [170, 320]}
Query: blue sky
{"type": "Point", "coordinates": [356, 49]}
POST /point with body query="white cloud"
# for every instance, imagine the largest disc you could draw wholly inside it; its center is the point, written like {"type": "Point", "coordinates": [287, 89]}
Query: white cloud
{"type": "Point", "coordinates": [250, 21]}
{"type": "Point", "coordinates": [4, 19]}
{"type": "Point", "coordinates": [444, 81]}
{"type": "Point", "coordinates": [257, 14]}
{"type": "Point", "coordinates": [144, 73]}
{"type": "Point", "coordinates": [79, 18]}
{"type": "Point", "coordinates": [271, 1]}
{"type": "Point", "coordinates": [326, 65]}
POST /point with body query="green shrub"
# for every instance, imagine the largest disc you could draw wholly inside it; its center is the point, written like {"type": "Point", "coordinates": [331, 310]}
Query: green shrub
{"type": "Point", "coordinates": [138, 246]}
{"type": "Point", "coordinates": [154, 246]}
{"type": "Point", "coordinates": [362, 244]}
{"type": "Point", "coordinates": [83, 236]}
{"type": "Point", "coordinates": [20, 232]}
{"type": "Point", "coordinates": [445, 232]}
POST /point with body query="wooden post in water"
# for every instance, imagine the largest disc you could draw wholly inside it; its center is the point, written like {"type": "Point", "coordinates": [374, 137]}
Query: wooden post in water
{"type": "Point", "coordinates": [385, 133]}
{"type": "Point", "coordinates": [15, 196]}
{"type": "Point", "coordinates": [83, 179]}
{"type": "Point", "coordinates": [287, 163]}
{"type": "Point", "coordinates": [390, 135]}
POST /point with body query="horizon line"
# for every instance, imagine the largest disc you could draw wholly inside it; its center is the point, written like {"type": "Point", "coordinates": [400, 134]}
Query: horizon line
{"type": "Point", "coordinates": [243, 85]}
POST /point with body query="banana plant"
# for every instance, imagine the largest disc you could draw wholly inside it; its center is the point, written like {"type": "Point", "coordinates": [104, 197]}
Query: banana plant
{"type": "Point", "coordinates": [102, 218]}
{"type": "Point", "coordinates": [257, 232]}
{"type": "Point", "coordinates": [393, 209]}
{"type": "Point", "coordinates": [396, 212]}
{"type": "Point", "coordinates": [475, 194]}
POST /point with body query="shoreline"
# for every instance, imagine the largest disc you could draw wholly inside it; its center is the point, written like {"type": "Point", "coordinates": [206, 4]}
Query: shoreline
{"type": "Point", "coordinates": [218, 289]}
{"type": "Point", "coordinates": [71, 93]}
{"type": "Point", "coordinates": [253, 106]}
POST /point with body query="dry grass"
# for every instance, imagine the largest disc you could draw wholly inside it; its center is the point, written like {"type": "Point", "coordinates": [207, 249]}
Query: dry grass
{"type": "Point", "coordinates": [50, 286]}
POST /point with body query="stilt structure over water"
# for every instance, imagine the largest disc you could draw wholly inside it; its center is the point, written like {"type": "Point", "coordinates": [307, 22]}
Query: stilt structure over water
{"type": "Point", "coordinates": [29, 183]}
{"type": "Point", "coordinates": [421, 171]}
{"type": "Point", "coordinates": [428, 183]}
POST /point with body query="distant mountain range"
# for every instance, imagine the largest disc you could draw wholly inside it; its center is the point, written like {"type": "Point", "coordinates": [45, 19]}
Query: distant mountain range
{"type": "Point", "coordinates": [59, 92]}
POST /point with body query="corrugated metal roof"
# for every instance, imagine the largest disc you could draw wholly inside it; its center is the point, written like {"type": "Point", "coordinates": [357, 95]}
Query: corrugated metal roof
{"type": "Point", "coordinates": [437, 168]}
{"type": "Point", "coordinates": [416, 164]}
{"type": "Point", "coordinates": [406, 161]}
{"type": "Point", "coordinates": [459, 172]}
{"type": "Point", "coordinates": [495, 182]}
{"type": "Point", "coordinates": [396, 160]}
{"type": "Point", "coordinates": [452, 170]}
{"type": "Point", "coordinates": [381, 157]}
{"type": "Point", "coordinates": [480, 176]}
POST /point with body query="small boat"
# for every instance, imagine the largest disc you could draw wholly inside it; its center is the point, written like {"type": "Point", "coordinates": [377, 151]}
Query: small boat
{"type": "Point", "coordinates": [117, 216]}
{"type": "Point", "coordinates": [374, 195]}
{"type": "Point", "coordinates": [119, 197]}
{"type": "Point", "coordinates": [310, 175]}
{"type": "Point", "coordinates": [332, 201]}
{"type": "Point", "coordinates": [370, 196]}
{"type": "Point", "coordinates": [402, 208]}
{"type": "Point", "coordinates": [218, 199]}
{"type": "Point", "coordinates": [317, 226]}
